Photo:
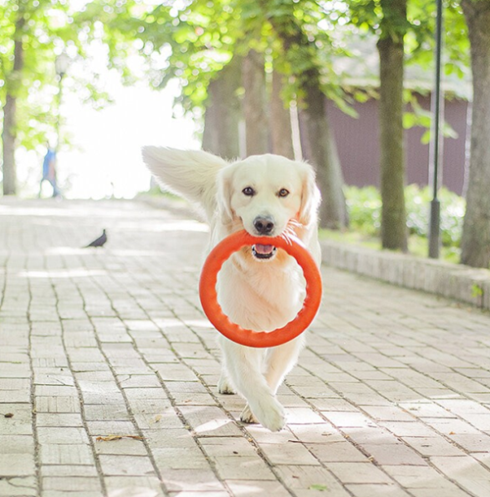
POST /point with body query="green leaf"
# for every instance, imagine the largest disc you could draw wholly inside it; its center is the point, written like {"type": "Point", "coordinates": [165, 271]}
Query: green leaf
{"type": "Point", "coordinates": [322, 488]}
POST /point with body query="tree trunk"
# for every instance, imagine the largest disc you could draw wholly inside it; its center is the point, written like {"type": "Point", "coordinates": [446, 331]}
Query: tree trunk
{"type": "Point", "coordinates": [222, 115]}
{"type": "Point", "coordinates": [9, 132]}
{"type": "Point", "coordinates": [280, 120]}
{"type": "Point", "coordinates": [318, 146]}
{"type": "Point", "coordinates": [8, 145]}
{"type": "Point", "coordinates": [475, 244]}
{"type": "Point", "coordinates": [255, 104]}
{"type": "Point", "coordinates": [316, 137]}
{"type": "Point", "coordinates": [392, 160]}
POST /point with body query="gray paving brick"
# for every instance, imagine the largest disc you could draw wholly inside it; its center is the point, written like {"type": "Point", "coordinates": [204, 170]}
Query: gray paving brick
{"type": "Point", "coordinates": [21, 486]}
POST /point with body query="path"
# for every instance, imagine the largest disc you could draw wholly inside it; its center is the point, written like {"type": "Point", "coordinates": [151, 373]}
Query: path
{"type": "Point", "coordinates": [391, 397]}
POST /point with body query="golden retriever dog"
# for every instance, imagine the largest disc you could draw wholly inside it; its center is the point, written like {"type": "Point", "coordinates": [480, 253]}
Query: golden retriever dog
{"type": "Point", "coordinates": [260, 288]}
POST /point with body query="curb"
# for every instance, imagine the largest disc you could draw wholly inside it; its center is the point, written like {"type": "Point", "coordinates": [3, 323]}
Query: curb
{"type": "Point", "coordinates": [459, 282]}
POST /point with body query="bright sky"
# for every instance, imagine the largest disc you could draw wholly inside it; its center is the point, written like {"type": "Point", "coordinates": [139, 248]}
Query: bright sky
{"type": "Point", "coordinates": [111, 141]}
{"type": "Point", "coordinates": [106, 159]}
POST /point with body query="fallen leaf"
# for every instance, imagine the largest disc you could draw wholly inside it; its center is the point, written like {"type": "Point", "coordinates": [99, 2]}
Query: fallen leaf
{"type": "Point", "coordinates": [318, 487]}
{"type": "Point", "coordinates": [452, 433]}
{"type": "Point", "coordinates": [9, 415]}
{"type": "Point", "coordinates": [109, 438]}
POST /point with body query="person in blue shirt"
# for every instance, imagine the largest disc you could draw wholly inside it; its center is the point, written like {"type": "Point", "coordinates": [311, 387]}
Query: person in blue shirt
{"type": "Point", "coordinates": [49, 171]}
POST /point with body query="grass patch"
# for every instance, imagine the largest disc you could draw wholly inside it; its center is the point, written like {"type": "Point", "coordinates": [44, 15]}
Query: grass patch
{"type": "Point", "coordinates": [417, 245]}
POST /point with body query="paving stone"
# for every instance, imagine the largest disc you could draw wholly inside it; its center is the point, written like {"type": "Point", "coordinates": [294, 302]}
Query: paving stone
{"type": "Point", "coordinates": [432, 446]}
{"type": "Point", "coordinates": [358, 472]}
{"type": "Point", "coordinates": [242, 468]}
{"type": "Point", "coordinates": [16, 464]}
{"type": "Point", "coordinates": [191, 480]}
{"type": "Point", "coordinates": [303, 480]}
{"type": "Point", "coordinates": [467, 472]}
{"type": "Point", "coordinates": [245, 488]}
{"type": "Point", "coordinates": [21, 486]}
{"type": "Point", "coordinates": [121, 465]}
{"type": "Point", "coordinates": [381, 490]}
{"type": "Point", "coordinates": [288, 453]}
{"type": "Point", "coordinates": [393, 454]}
{"type": "Point", "coordinates": [69, 454]}
{"type": "Point", "coordinates": [71, 484]}
{"type": "Point", "coordinates": [421, 480]}
{"type": "Point", "coordinates": [134, 486]}
{"type": "Point", "coordinates": [179, 458]}
{"type": "Point", "coordinates": [59, 470]}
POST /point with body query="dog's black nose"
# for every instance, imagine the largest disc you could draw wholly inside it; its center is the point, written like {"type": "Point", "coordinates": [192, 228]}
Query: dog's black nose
{"type": "Point", "coordinates": [264, 225]}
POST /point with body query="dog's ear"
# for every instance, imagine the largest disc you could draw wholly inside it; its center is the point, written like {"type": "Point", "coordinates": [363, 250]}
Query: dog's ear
{"type": "Point", "coordinates": [188, 173]}
{"type": "Point", "coordinates": [224, 191]}
{"type": "Point", "coordinates": [310, 197]}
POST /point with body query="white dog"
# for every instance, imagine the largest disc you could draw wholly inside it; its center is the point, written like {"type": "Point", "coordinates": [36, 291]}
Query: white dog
{"type": "Point", "coordinates": [259, 287]}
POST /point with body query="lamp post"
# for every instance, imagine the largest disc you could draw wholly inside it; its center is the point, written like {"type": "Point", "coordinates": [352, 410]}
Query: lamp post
{"type": "Point", "coordinates": [436, 144]}
{"type": "Point", "coordinates": [61, 65]}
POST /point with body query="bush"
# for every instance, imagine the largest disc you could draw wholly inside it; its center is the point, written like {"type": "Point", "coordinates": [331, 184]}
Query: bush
{"type": "Point", "coordinates": [364, 205]}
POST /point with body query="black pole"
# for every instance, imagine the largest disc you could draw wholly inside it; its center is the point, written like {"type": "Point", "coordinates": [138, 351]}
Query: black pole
{"type": "Point", "coordinates": [435, 206]}
{"type": "Point", "coordinates": [58, 120]}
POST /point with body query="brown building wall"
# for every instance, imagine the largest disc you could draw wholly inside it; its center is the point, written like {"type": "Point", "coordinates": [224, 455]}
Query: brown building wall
{"type": "Point", "coordinates": [358, 145]}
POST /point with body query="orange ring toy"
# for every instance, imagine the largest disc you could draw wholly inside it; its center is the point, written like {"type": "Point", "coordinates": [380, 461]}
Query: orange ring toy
{"type": "Point", "coordinates": [209, 296]}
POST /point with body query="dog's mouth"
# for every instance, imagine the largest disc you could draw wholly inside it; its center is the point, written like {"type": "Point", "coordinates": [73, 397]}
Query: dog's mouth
{"type": "Point", "coordinates": [263, 252]}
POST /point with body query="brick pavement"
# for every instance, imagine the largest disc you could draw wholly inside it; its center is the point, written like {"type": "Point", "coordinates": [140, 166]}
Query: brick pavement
{"type": "Point", "coordinates": [390, 398]}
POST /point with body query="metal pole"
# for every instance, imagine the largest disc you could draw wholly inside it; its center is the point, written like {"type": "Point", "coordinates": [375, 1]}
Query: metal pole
{"type": "Point", "coordinates": [436, 151]}
{"type": "Point", "coordinates": [58, 120]}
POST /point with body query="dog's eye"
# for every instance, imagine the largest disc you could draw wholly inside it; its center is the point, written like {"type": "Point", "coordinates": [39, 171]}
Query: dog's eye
{"type": "Point", "coordinates": [283, 192]}
{"type": "Point", "coordinates": [248, 191]}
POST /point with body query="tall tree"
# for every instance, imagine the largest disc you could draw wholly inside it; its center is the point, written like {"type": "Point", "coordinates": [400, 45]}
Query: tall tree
{"type": "Point", "coordinates": [222, 112]}
{"type": "Point", "coordinates": [280, 119]}
{"type": "Point", "coordinates": [32, 34]}
{"type": "Point", "coordinates": [203, 36]}
{"type": "Point", "coordinates": [475, 246]}
{"type": "Point", "coordinates": [392, 160]}
{"type": "Point", "coordinates": [255, 104]}
{"type": "Point", "coordinates": [300, 50]}
{"type": "Point", "coordinates": [9, 131]}
{"type": "Point", "coordinates": [387, 20]}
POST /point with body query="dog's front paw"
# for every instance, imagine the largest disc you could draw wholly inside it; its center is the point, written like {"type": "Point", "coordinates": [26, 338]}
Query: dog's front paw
{"type": "Point", "coordinates": [225, 387]}
{"type": "Point", "coordinates": [247, 416]}
{"type": "Point", "coordinates": [270, 415]}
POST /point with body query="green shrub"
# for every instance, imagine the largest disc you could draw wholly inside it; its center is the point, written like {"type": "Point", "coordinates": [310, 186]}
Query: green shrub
{"type": "Point", "coordinates": [364, 205]}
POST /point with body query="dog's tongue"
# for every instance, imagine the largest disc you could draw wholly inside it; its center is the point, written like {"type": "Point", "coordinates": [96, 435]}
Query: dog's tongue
{"type": "Point", "coordinates": [263, 249]}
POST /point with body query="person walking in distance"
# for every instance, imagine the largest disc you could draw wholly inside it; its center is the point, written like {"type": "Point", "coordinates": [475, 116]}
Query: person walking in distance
{"type": "Point", "coordinates": [49, 172]}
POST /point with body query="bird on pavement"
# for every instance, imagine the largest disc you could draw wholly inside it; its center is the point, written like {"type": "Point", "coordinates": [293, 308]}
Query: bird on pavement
{"type": "Point", "coordinates": [99, 242]}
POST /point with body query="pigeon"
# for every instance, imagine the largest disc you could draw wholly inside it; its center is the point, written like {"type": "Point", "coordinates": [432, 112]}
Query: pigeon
{"type": "Point", "coordinates": [99, 242]}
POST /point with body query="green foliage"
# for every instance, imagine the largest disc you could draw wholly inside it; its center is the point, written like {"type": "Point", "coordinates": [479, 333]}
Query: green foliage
{"type": "Point", "coordinates": [364, 205]}
{"type": "Point", "coordinates": [46, 28]}
{"type": "Point", "coordinates": [476, 291]}
{"type": "Point", "coordinates": [452, 213]}
{"type": "Point", "coordinates": [198, 38]}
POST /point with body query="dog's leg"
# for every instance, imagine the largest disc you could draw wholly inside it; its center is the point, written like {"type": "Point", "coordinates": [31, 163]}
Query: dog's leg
{"type": "Point", "coordinates": [281, 360]}
{"type": "Point", "coordinates": [224, 384]}
{"type": "Point", "coordinates": [244, 365]}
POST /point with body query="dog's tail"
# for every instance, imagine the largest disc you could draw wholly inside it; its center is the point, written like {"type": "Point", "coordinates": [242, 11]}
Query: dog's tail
{"type": "Point", "coordinates": [188, 173]}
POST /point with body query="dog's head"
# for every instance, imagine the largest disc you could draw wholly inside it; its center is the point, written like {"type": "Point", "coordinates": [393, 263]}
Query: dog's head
{"type": "Point", "coordinates": [267, 195]}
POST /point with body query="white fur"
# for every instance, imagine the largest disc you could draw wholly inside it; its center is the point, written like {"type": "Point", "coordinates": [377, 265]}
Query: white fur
{"type": "Point", "coordinates": [256, 294]}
